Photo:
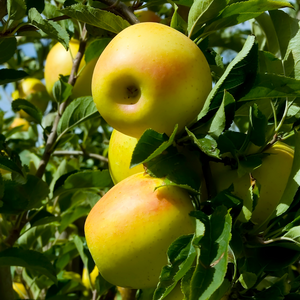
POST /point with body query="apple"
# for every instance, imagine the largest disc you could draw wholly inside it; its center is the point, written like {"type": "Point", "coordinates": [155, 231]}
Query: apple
{"type": "Point", "coordinates": [33, 90]}
{"type": "Point", "coordinates": [19, 288]}
{"type": "Point", "coordinates": [150, 76]}
{"type": "Point", "coordinates": [273, 176]}
{"type": "Point", "coordinates": [147, 16]}
{"type": "Point", "coordinates": [59, 61]}
{"type": "Point", "coordinates": [120, 151]}
{"type": "Point", "coordinates": [93, 276]}
{"type": "Point", "coordinates": [20, 122]}
{"type": "Point", "coordinates": [130, 228]}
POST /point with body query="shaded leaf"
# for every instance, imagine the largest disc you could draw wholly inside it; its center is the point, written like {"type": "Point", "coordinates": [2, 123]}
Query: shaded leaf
{"type": "Point", "coordinates": [28, 259]}
{"type": "Point", "coordinates": [150, 145]}
{"type": "Point", "coordinates": [96, 17]}
{"type": "Point", "coordinates": [29, 108]}
{"type": "Point", "coordinates": [11, 75]}
{"type": "Point", "coordinates": [8, 48]}
{"type": "Point", "coordinates": [85, 180]}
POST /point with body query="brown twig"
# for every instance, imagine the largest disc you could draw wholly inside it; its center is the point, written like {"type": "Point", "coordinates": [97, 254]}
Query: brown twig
{"type": "Point", "coordinates": [121, 9]}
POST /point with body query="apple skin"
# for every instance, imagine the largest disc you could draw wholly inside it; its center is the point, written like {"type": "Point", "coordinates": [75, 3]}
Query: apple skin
{"type": "Point", "coordinates": [59, 61]}
{"type": "Point", "coordinates": [129, 230]}
{"type": "Point", "coordinates": [120, 151]}
{"type": "Point", "coordinates": [273, 176]}
{"type": "Point", "coordinates": [18, 122]}
{"type": "Point", "coordinates": [93, 276]}
{"type": "Point", "coordinates": [147, 16]}
{"type": "Point", "coordinates": [34, 88]}
{"type": "Point", "coordinates": [150, 76]}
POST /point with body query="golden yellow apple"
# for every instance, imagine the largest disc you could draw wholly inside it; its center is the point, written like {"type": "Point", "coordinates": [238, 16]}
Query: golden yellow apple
{"type": "Point", "coordinates": [20, 122]}
{"type": "Point", "coordinates": [120, 151]}
{"type": "Point", "coordinates": [150, 76]}
{"type": "Point", "coordinates": [33, 90]}
{"type": "Point", "coordinates": [272, 175]}
{"type": "Point", "coordinates": [93, 276]}
{"type": "Point", "coordinates": [147, 16]}
{"type": "Point", "coordinates": [59, 61]}
{"type": "Point", "coordinates": [129, 230]}
{"type": "Point", "coordinates": [19, 288]}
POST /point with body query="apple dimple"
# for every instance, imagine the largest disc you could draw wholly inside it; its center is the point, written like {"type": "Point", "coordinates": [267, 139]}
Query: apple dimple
{"type": "Point", "coordinates": [133, 94]}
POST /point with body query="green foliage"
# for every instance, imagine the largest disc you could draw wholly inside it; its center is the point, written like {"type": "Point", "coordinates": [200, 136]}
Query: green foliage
{"type": "Point", "coordinates": [254, 102]}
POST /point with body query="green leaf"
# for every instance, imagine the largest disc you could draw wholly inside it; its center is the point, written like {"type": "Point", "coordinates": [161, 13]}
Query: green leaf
{"type": "Point", "coordinates": [237, 79]}
{"type": "Point", "coordinates": [39, 5]}
{"type": "Point", "coordinates": [181, 255]}
{"type": "Point", "coordinates": [78, 111]}
{"type": "Point", "coordinates": [9, 165]}
{"type": "Point", "coordinates": [85, 180]}
{"type": "Point", "coordinates": [258, 126]}
{"type": "Point", "coordinates": [247, 279]}
{"type": "Point", "coordinates": [212, 263]}
{"type": "Point", "coordinates": [150, 145]}
{"type": "Point", "coordinates": [96, 48]}
{"type": "Point", "coordinates": [177, 22]}
{"type": "Point", "coordinates": [62, 90]}
{"type": "Point", "coordinates": [11, 75]}
{"type": "Point", "coordinates": [242, 11]}
{"type": "Point", "coordinates": [28, 259]}
{"type": "Point", "coordinates": [277, 291]}
{"type": "Point", "coordinates": [203, 11]}
{"type": "Point", "coordinates": [84, 253]}
{"type": "Point", "coordinates": [96, 17]}
{"type": "Point", "coordinates": [207, 144]}
{"type": "Point", "coordinates": [225, 114]}
{"type": "Point", "coordinates": [288, 35]}
{"type": "Point", "coordinates": [16, 10]}
{"type": "Point", "coordinates": [51, 28]}
{"type": "Point", "coordinates": [102, 286]}
{"type": "Point", "coordinates": [72, 215]}
{"type": "Point", "coordinates": [272, 86]}
{"type": "Point", "coordinates": [29, 108]}
{"type": "Point", "coordinates": [8, 48]}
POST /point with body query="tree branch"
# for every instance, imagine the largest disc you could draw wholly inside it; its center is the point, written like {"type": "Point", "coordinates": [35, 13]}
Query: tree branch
{"type": "Point", "coordinates": [81, 153]}
{"type": "Point", "coordinates": [53, 134]}
{"type": "Point", "coordinates": [122, 9]}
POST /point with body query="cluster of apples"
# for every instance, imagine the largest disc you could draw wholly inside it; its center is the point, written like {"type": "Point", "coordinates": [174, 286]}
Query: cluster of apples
{"type": "Point", "coordinates": [149, 76]}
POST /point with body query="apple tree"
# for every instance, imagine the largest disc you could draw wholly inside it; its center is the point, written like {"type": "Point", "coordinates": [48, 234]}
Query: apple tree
{"type": "Point", "coordinates": [238, 160]}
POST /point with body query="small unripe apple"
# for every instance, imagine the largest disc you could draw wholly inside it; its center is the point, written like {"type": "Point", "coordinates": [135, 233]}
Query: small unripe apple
{"type": "Point", "coordinates": [130, 228]}
{"type": "Point", "coordinates": [120, 151]}
{"type": "Point", "coordinates": [18, 122]}
{"type": "Point", "coordinates": [33, 90]}
{"type": "Point", "coordinates": [147, 16]}
{"type": "Point", "coordinates": [59, 61]}
{"type": "Point", "coordinates": [273, 176]}
{"type": "Point", "coordinates": [150, 76]}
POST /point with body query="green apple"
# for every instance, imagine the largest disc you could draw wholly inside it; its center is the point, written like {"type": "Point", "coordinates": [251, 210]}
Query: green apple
{"type": "Point", "coordinates": [150, 76]}
{"type": "Point", "coordinates": [120, 151]}
{"type": "Point", "coordinates": [33, 90]}
{"type": "Point", "coordinates": [129, 230]}
{"type": "Point", "coordinates": [272, 175]}
{"type": "Point", "coordinates": [59, 61]}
